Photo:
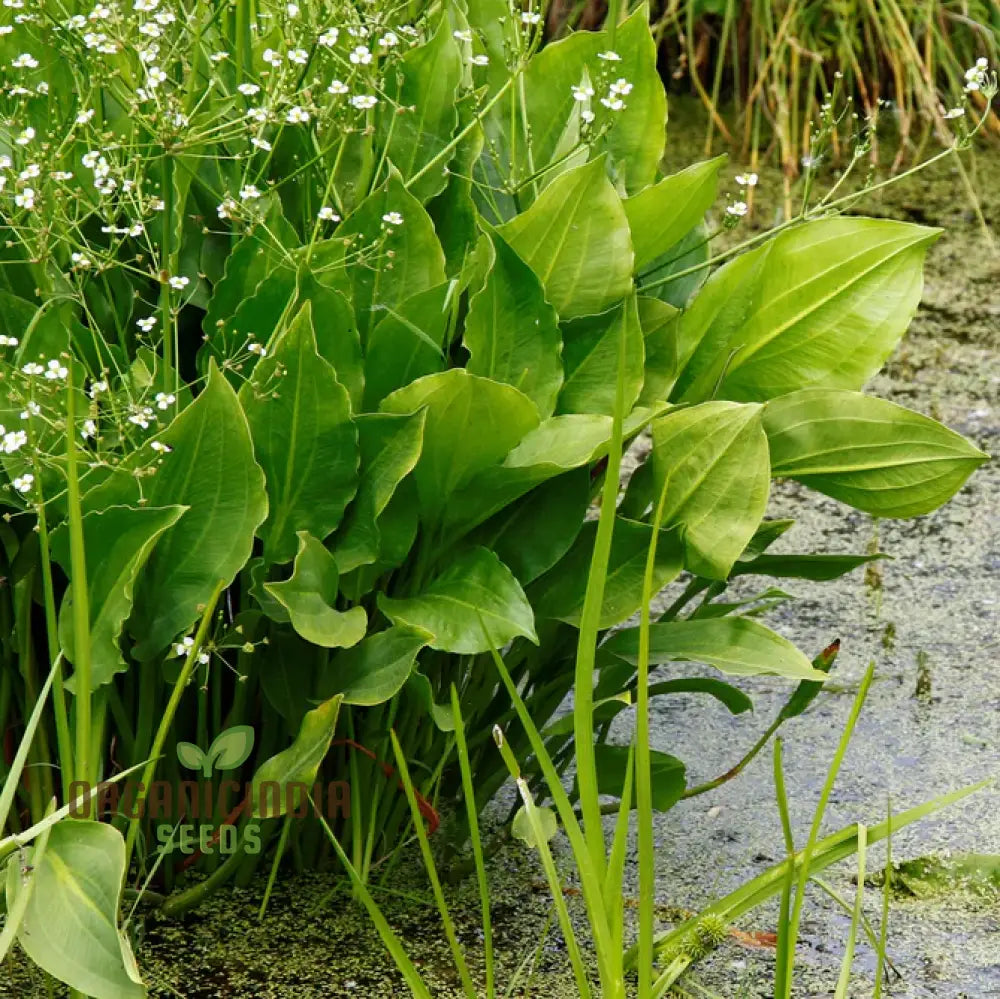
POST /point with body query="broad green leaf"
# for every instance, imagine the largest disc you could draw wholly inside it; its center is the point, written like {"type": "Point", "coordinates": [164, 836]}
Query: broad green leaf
{"type": "Point", "coordinates": [658, 321]}
{"type": "Point", "coordinates": [556, 445]}
{"type": "Point", "coordinates": [117, 542]}
{"type": "Point", "coordinates": [667, 775]}
{"type": "Point", "coordinates": [211, 470]}
{"type": "Point", "coordinates": [532, 534]}
{"type": "Point", "coordinates": [638, 133]}
{"type": "Point", "coordinates": [575, 237]}
{"type": "Point", "coordinates": [299, 764]}
{"type": "Point", "coordinates": [472, 423]}
{"type": "Point", "coordinates": [662, 215]}
{"type": "Point", "coordinates": [454, 210]}
{"type": "Point", "coordinates": [866, 452]}
{"type": "Point", "coordinates": [232, 747]}
{"type": "Point", "coordinates": [404, 258]}
{"type": "Point", "coordinates": [309, 597]}
{"type": "Point", "coordinates": [70, 926]}
{"type": "Point", "coordinates": [560, 592]}
{"type": "Point", "coordinates": [823, 304]}
{"type": "Point", "coordinates": [390, 446]}
{"type": "Point", "coordinates": [407, 344]}
{"type": "Point", "coordinates": [549, 103]}
{"type": "Point", "coordinates": [419, 117]}
{"type": "Point", "coordinates": [336, 332]}
{"type": "Point", "coordinates": [303, 437]}
{"type": "Point", "coordinates": [376, 669]}
{"type": "Point", "coordinates": [590, 352]}
{"type": "Point", "coordinates": [475, 591]}
{"type": "Point", "coordinates": [255, 255]}
{"type": "Point", "coordinates": [512, 333]}
{"type": "Point", "coordinates": [522, 829]}
{"type": "Point", "coordinates": [738, 646]}
{"type": "Point", "coordinates": [713, 459]}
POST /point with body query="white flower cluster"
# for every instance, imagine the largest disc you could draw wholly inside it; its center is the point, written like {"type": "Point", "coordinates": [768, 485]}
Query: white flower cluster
{"type": "Point", "coordinates": [976, 77]}
{"type": "Point", "coordinates": [11, 441]}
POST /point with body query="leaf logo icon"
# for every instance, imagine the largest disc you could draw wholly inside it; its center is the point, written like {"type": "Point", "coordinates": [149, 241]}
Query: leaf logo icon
{"type": "Point", "coordinates": [229, 749]}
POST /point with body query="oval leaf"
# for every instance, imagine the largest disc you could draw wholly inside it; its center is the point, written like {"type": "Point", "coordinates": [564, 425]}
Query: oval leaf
{"type": "Point", "coordinates": [866, 452]}
{"type": "Point", "coordinates": [474, 592]}
{"type": "Point", "coordinates": [734, 645]}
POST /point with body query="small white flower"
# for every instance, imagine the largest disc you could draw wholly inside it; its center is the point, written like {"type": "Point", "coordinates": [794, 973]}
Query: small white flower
{"type": "Point", "coordinates": [271, 57]}
{"type": "Point", "coordinates": [25, 61]}
{"type": "Point", "coordinates": [203, 658]}
{"type": "Point", "coordinates": [360, 56]}
{"type": "Point", "coordinates": [30, 171]}
{"type": "Point", "coordinates": [337, 87]}
{"type": "Point", "coordinates": [8, 341]}
{"type": "Point", "coordinates": [329, 38]}
{"type": "Point", "coordinates": [61, 175]}
{"type": "Point", "coordinates": [25, 199]}
{"type": "Point", "coordinates": [97, 388]}
{"type": "Point", "coordinates": [292, 9]}
{"type": "Point", "coordinates": [392, 218]}
{"type": "Point", "coordinates": [56, 371]}
{"type": "Point", "coordinates": [747, 179]}
{"type": "Point", "coordinates": [249, 193]}
{"type": "Point", "coordinates": [219, 57]}
{"type": "Point", "coordinates": [613, 103]}
{"type": "Point", "coordinates": [258, 115]}
{"type": "Point", "coordinates": [582, 92]}
{"type": "Point", "coordinates": [26, 136]}
{"type": "Point", "coordinates": [954, 113]}
{"type": "Point", "coordinates": [259, 143]}
{"type": "Point", "coordinates": [248, 89]}
{"type": "Point", "coordinates": [160, 447]}
{"type": "Point", "coordinates": [364, 101]}
{"type": "Point", "coordinates": [463, 36]}
{"type": "Point", "coordinates": [179, 282]}
{"type": "Point", "coordinates": [164, 400]}
{"type": "Point", "coordinates": [147, 324]}
{"type": "Point", "coordinates": [155, 76]}
{"type": "Point", "coordinates": [150, 29]}
{"type": "Point", "coordinates": [389, 40]}
{"type": "Point", "coordinates": [299, 56]}
{"type": "Point", "coordinates": [609, 56]}
{"type": "Point", "coordinates": [31, 368]}
{"type": "Point", "coordinates": [24, 482]}
{"type": "Point", "coordinates": [530, 17]}
{"type": "Point", "coordinates": [89, 429]}
{"type": "Point", "coordinates": [737, 209]}
{"type": "Point", "coordinates": [13, 441]}
{"type": "Point", "coordinates": [228, 209]}
{"type": "Point", "coordinates": [480, 60]}
{"type": "Point", "coordinates": [621, 87]}
{"type": "Point", "coordinates": [327, 214]}
{"type": "Point", "coordinates": [297, 116]}
{"type": "Point", "coordinates": [80, 260]}
{"type": "Point", "coordinates": [184, 646]}
{"type": "Point", "coordinates": [257, 348]}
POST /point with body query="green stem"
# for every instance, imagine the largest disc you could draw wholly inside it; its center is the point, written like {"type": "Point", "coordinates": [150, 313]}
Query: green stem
{"type": "Point", "coordinates": [84, 771]}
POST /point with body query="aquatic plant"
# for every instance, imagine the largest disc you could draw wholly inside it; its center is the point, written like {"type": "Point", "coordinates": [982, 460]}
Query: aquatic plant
{"type": "Point", "coordinates": [322, 333]}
